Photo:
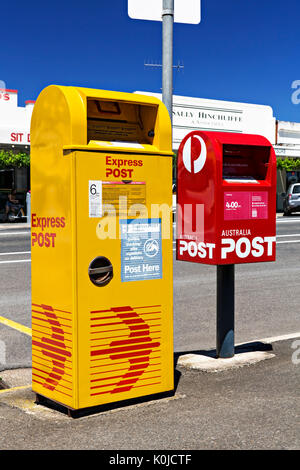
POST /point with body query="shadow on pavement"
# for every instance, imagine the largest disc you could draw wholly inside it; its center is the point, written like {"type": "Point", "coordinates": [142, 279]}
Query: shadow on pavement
{"type": "Point", "coordinates": [240, 349]}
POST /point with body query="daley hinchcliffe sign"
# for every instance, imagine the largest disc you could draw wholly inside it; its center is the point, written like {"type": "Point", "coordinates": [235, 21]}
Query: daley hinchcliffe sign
{"type": "Point", "coordinates": [211, 118]}
{"type": "Point", "coordinates": [191, 114]}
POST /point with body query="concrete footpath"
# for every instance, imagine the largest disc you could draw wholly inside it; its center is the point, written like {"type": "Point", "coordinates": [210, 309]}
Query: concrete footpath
{"type": "Point", "coordinates": [255, 406]}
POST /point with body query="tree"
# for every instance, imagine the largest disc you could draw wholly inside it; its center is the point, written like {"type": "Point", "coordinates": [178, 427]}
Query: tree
{"type": "Point", "coordinates": [9, 159]}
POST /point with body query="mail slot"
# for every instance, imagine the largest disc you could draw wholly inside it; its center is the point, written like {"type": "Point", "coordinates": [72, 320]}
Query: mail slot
{"type": "Point", "coordinates": [226, 189]}
{"type": "Point", "coordinates": [101, 267]}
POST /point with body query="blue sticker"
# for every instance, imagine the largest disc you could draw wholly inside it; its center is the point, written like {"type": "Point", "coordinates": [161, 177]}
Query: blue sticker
{"type": "Point", "coordinates": [141, 256]}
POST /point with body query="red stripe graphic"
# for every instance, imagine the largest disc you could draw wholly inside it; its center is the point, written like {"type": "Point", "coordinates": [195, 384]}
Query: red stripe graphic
{"type": "Point", "coordinates": [131, 341]}
{"type": "Point", "coordinates": [138, 327]}
{"type": "Point", "coordinates": [135, 349]}
{"type": "Point", "coordinates": [130, 322]}
{"type": "Point", "coordinates": [149, 306]}
{"type": "Point", "coordinates": [59, 337]}
{"type": "Point", "coordinates": [54, 343]}
{"type": "Point", "coordinates": [46, 307]}
{"type": "Point", "coordinates": [48, 315]}
{"type": "Point", "coordinates": [119, 390]}
{"type": "Point", "coordinates": [139, 333]}
{"type": "Point", "coordinates": [125, 348]}
{"type": "Point", "coordinates": [54, 356]}
{"type": "Point", "coordinates": [58, 330]}
{"type": "Point", "coordinates": [54, 349]}
{"type": "Point", "coordinates": [51, 348]}
{"type": "Point", "coordinates": [138, 359]}
{"type": "Point", "coordinates": [121, 309]}
{"type": "Point", "coordinates": [51, 322]}
{"type": "Point", "coordinates": [139, 366]}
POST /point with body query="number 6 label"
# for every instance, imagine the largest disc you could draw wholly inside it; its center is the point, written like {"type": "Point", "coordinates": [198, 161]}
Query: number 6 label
{"type": "Point", "coordinates": [95, 198]}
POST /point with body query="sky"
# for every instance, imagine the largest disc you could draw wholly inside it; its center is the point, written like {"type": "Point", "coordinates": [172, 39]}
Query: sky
{"type": "Point", "coordinates": [243, 50]}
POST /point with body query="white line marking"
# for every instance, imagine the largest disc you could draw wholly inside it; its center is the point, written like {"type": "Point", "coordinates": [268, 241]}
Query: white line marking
{"type": "Point", "coordinates": [16, 261]}
{"type": "Point", "coordinates": [288, 241]}
{"type": "Point", "coordinates": [288, 221]}
{"type": "Point", "coordinates": [289, 235]}
{"type": "Point", "coordinates": [15, 253]}
{"type": "Point", "coordinates": [15, 233]}
{"type": "Point", "coordinates": [272, 339]}
{"type": "Point", "coordinates": [277, 243]}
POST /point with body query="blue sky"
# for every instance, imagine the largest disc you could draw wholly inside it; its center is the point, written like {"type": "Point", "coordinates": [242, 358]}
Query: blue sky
{"type": "Point", "coordinates": [243, 50]}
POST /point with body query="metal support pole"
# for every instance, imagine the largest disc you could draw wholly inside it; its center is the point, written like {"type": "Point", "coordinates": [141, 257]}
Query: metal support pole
{"type": "Point", "coordinates": [167, 56]}
{"type": "Point", "coordinates": [225, 311]}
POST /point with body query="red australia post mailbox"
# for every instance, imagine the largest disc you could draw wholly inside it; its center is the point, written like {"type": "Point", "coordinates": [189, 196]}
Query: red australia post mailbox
{"type": "Point", "coordinates": [226, 207]}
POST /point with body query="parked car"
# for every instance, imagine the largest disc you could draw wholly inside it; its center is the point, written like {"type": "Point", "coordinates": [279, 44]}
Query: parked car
{"type": "Point", "coordinates": [291, 199]}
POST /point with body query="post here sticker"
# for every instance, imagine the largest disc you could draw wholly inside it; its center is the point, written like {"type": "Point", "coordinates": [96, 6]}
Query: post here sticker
{"type": "Point", "coordinates": [141, 252]}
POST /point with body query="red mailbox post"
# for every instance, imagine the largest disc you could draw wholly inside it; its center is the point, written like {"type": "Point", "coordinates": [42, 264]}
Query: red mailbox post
{"type": "Point", "coordinates": [226, 211]}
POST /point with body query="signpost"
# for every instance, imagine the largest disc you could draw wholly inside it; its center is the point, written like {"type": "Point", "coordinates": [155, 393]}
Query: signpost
{"type": "Point", "coordinates": [167, 55]}
{"type": "Point", "coordinates": [167, 11]}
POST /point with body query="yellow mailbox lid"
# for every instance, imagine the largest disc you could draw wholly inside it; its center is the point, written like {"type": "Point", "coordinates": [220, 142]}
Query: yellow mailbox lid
{"type": "Point", "coordinates": [89, 119]}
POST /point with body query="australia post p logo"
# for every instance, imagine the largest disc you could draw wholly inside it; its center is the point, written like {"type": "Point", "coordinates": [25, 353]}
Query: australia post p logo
{"type": "Point", "coordinates": [194, 154]}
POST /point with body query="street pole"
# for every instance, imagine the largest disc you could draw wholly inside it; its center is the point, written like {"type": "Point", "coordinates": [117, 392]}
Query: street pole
{"type": "Point", "coordinates": [167, 56]}
{"type": "Point", "coordinates": [225, 311]}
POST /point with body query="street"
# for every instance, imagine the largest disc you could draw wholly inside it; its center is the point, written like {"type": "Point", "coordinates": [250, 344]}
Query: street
{"type": "Point", "coordinates": [267, 296]}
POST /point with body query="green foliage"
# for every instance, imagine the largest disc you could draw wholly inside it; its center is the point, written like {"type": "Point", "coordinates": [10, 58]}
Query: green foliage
{"type": "Point", "coordinates": [288, 164]}
{"type": "Point", "coordinates": [174, 163]}
{"type": "Point", "coordinates": [10, 159]}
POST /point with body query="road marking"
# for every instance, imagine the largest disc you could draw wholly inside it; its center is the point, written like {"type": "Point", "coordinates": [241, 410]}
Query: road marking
{"type": "Point", "coordinates": [277, 243]}
{"type": "Point", "coordinates": [16, 261]}
{"type": "Point", "coordinates": [14, 233]}
{"type": "Point", "coordinates": [21, 387]}
{"type": "Point", "coordinates": [277, 236]}
{"type": "Point", "coordinates": [288, 221]}
{"type": "Point", "coordinates": [18, 253]}
{"type": "Point", "coordinates": [16, 326]}
{"type": "Point", "coordinates": [289, 235]}
{"type": "Point", "coordinates": [174, 249]}
{"type": "Point", "coordinates": [288, 241]}
{"type": "Point", "coordinates": [273, 339]}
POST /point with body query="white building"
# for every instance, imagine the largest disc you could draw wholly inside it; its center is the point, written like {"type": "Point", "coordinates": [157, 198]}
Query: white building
{"type": "Point", "coordinates": [214, 115]}
{"type": "Point", "coordinates": [287, 139]}
{"type": "Point", "coordinates": [14, 120]}
{"type": "Point", "coordinates": [189, 114]}
{"type": "Point", "coordinates": [15, 136]}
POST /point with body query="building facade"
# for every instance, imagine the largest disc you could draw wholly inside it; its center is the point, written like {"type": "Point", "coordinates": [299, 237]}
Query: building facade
{"type": "Point", "coordinates": [189, 113]}
{"type": "Point", "coordinates": [14, 143]}
{"type": "Point", "coordinates": [14, 139]}
{"type": "Point", "coordinates": [14, 121]}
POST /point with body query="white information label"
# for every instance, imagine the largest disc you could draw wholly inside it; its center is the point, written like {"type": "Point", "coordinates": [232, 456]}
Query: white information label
{"type": "Point", "coordinates": [95, 198]}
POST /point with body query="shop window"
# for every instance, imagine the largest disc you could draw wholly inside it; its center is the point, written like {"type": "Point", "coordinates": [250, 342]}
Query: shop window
{"type": "Point", "coordinates": [6, 180]}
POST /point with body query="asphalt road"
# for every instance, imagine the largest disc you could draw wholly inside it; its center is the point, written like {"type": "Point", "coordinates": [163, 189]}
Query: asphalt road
{"type": "Point", "coordinates": [267, 295]}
